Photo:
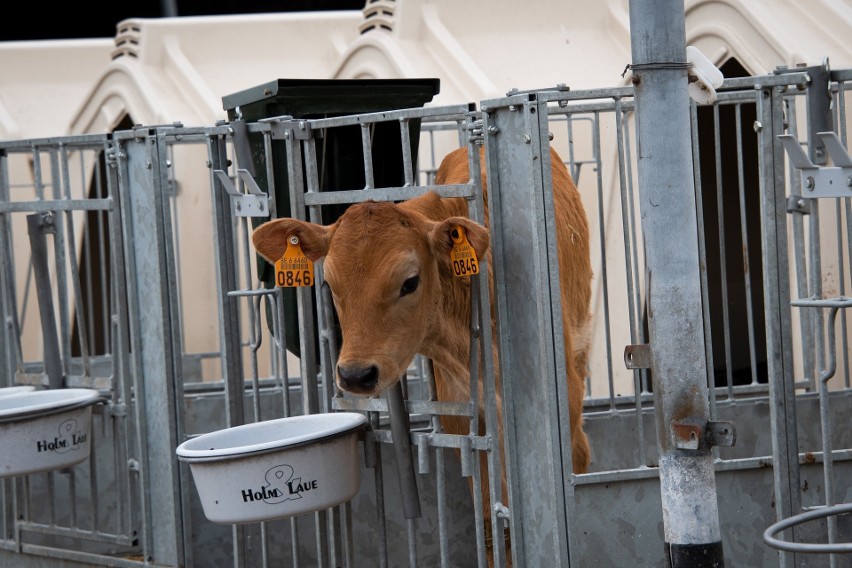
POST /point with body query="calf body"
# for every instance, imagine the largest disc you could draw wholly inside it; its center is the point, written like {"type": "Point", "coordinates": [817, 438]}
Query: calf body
{"type": "Point", "coordinates": [389, 269]}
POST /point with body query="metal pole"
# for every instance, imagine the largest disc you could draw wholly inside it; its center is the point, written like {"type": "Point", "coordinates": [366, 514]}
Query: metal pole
{"type": "Point", "coordinates": [669, 225]}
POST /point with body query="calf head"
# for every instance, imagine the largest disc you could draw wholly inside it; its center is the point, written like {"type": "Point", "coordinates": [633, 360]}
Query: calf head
{"type": "Point", "coordinates": [388, 268]}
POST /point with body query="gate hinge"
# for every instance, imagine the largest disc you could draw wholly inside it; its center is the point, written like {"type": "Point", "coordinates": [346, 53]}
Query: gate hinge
{"type": "Point", "coordinates": [700, 434]}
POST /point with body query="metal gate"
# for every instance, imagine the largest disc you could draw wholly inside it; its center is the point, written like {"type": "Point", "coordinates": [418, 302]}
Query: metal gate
{"type": "Point", "coordinates": [160, 303]}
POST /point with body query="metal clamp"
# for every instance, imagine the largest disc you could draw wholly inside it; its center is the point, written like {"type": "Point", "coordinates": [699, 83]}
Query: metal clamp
{"type": "Point", "coordinates": [296, 129]}
{"type": "Point", "coordinates": [821, 181]}
{"type": "Point", "coordinates": [637, 356]}
{"type": "Point", "coordinates": [700, 434]}
{"type": "Point", "coordinates": [255, 203]}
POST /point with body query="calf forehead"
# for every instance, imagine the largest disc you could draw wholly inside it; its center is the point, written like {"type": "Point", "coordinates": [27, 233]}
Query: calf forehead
{"type": "Point", "coordinates": [375, 236]}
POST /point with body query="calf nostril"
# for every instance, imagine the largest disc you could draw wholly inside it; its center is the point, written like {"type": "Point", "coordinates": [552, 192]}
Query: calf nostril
{"type": "Point", "coordinates": [358, 378]}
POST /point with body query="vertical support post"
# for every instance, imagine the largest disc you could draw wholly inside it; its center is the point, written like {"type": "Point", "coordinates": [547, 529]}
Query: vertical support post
{"type": "Point", "coordinates": [155, 341]}
{"type": "Point", "coordinates": [776, 306]}
{"type": "Point", "coordinates": [667, 199]}
{"type": "Point", "coordinates": [529, 317]}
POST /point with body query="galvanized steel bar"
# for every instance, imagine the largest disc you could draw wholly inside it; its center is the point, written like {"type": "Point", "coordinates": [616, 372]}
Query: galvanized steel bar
{"type": "Point", "coordinates": [523, 233]}
{"type": "Point", "coordinates": [155, 354]}
{"type": "Point", "coordinates": [723, 257]}
{"type": "Point", "coordinates": [37, 225]}
{"type": "Point", "coordinates": [596, 145]}
{"type": "Point", "coordinates": [402, 452]}
{"type": "Point", "coordinates": [385, 194]}
{"type": "Point", "coordinates": [702, 256]}
{"type": "Point", "coordinates": [407, 165]}
{"type": "Point", "coordinates": [367, 148]}
{"type": "Point", "coordinates": [692, 535]}
{"type": "Point", "coordinates": [777, 314]}
{"type": "Point", "coordinates": [745, 247]}
{"type": "Point", "coordinates": [799, 256]}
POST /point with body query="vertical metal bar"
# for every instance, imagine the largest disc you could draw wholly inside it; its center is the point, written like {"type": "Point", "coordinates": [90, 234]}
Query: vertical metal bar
{"type": "Point", "coordinates": [723, 257]}
{"type": "Point", "coordinates": [688, 486]}
{"type": "Point", "coordinates": [596, 142]}
{"type": "Point", "coordinates": [305, 301]}
{"type": "Point", "coordinates": [702, 256]}
{"type": "Point", "coordinates": [745, 246]}
{"type": "Point", "coordinates": [408, 166]}
{"type": "Point", "coordinates": [37, 225]}
{"type": "Point", "coordinates": [842, 257]}
{"type": "Point", "coordinates": [777, 309]}
{"type": "Point", "coordinates": [367, 148]}
{"type": "Point", "coordinates": [65, 181]}
{"type": "Point", "coordinates": [402, 452]}
{"type": "Point", "coordinates": [378, 468]}
{"type": "Point", "coordinates": [226, 281]}
{"type": "Point", "coordinates": [228, 309]}
{"type": "Point", "coordinates": [627, 215]}
{"type": "Point", "coordinates": [800, 257]}
{"type": "Point", "coordinates": [643, 373]}
{"type": "Point", "coordinates": [60, 250]}
{"type": "Point", "coordinates": [825, 431]}
{"type": "Point", "coordinates": [120, 343]}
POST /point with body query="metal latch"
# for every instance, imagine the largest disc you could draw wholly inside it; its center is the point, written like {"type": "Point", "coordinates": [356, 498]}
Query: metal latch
{"type": "Point", "coordinates": [700, 434]}
{"type": "Point", "coordinates": [255, 203]}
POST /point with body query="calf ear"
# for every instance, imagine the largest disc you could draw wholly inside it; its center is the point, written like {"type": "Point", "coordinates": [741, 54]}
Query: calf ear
{"type": "Point", "coordinates": [441, 237]}
{"type": "Point", "coordinates": [270, 239]}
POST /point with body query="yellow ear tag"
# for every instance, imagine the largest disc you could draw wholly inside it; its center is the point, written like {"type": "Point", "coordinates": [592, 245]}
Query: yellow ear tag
{"type": "Point", "coordinates": [463, 256]}
{"type": "Point", "coordinates": [294, 269]}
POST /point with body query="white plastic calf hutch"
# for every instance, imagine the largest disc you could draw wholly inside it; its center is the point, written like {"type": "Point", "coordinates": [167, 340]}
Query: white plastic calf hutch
{"type": "Point", "coordinates": [160, 305]}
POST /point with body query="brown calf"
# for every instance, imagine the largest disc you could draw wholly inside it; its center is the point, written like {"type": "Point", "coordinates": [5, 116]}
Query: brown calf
{"type": "Point", "coordinates": [389, 270]}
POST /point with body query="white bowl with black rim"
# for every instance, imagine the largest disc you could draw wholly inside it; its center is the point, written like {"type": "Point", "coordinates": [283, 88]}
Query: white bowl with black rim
{"type": "Point", "coordinates": [43, 430]}
{"type": "Point", "coordinates": [277, 468]}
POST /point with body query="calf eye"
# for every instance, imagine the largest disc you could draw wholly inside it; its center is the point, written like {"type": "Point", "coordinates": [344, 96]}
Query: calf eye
{"type": "Point", "coordinates": [409, 286]}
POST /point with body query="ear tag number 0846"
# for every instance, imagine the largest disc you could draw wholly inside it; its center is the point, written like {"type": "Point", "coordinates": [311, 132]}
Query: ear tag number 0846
{"type": "Point", "coordinates": [294, 269]}
{"type": "Point", "coordinates": [463, 256]}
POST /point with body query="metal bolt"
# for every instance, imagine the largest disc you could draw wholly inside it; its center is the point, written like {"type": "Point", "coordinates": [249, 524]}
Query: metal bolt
{"type": "Point", "coordinates": [801, 203]}
{"type": "Point", "coordinates": [809, 183]}
{"type": "Point", "coordinates": [494, 130]}
{"type": "Point", "coordinates": [168, 163]}
{"type": "Point", "coordinates": [512, 108]}
{"type": "Point", "coordinates": [294, 240]}
{"type": "Point", "coordinates": [261, 205]}
{"type": "Point", "coordinates": [209, 164]}
{"type": "Point", "coordinates": [239, 206]}
{"type": "Point", "coordinates": [849, 181]}
{"type": "Point", "coordinates": [758, 126]}
{"type": "Point", "coordinates": [527, 139]}
{"type": "Point", "coordinates": [550, 135]}
{"type": "Point", "coordinates": [148, 164]}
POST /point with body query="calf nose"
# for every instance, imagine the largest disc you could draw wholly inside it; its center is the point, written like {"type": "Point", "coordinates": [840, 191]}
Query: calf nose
{"type": "Point", "coordinates": [358, 379]}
